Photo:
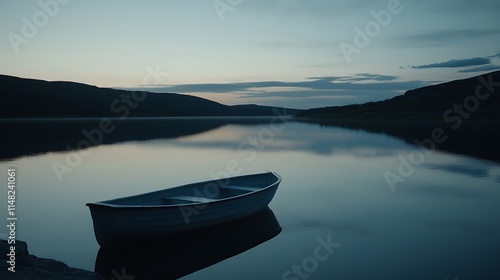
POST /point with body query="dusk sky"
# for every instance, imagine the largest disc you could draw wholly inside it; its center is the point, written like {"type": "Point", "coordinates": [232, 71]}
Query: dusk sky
{"type": "Point", "coordinates": [299, 54]}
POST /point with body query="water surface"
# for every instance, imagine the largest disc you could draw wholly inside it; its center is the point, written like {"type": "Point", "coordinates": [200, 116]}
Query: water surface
{"type": "Point", "coordinates": [440, 223]}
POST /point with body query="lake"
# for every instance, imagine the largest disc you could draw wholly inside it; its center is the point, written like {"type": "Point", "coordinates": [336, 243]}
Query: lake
{"type": "Point", "coordinates": [345, 210]}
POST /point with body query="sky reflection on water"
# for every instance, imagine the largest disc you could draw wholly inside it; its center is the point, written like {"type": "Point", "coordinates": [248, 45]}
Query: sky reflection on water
{"type": "Point", "coordinates": [442, 222]}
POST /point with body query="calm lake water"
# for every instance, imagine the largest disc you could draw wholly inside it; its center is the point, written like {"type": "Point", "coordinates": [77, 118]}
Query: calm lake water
{"type": "Point", "coordinates": [340, 219]}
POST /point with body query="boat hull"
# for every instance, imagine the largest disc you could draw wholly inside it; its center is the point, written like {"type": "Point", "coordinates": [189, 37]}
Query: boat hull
{"type": "Point", "coordinates": [117, 222]}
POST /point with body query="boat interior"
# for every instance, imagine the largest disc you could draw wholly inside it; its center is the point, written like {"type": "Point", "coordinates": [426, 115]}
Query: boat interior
{"type": "Point", "coordinates": [208, 194]}
{"type": "Point", "coordinates": [200, 192]}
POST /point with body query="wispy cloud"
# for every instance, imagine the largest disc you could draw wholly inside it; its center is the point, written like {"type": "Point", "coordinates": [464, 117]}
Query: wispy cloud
{"type": "Point", "coordinates": [481, 64]}
{"type": "Point", "coordinates": [445, 37]}
{"type": "Point", "coordinates": [311, 92]}
{"type": "Point", "coordinates": [456, 63]}
{"type": "Point", "coordinates": [497, 55]}
{"type": "Point", "coordinates": [360, 82]}
{"type": "Point", "coordinates": [483, 68]}
{"type": "Point", "coordinates": [367, 77]}
{"type": "Point", "coordinates": [472, 171]}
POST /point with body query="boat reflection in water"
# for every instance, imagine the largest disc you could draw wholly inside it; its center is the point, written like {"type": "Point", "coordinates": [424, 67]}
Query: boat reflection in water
{"type": "Point", "coordinates": [178, 255]}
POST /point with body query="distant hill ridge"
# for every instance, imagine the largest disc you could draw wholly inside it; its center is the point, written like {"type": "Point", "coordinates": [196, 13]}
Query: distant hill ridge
{"type": "Point", "coordinates": [430, 102]}
{"type": "Point", "coordinates": [30, 98]}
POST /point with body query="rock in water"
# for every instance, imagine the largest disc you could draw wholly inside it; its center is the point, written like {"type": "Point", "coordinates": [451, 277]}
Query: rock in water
{"type": "Point", "coordinates": [31, 267]}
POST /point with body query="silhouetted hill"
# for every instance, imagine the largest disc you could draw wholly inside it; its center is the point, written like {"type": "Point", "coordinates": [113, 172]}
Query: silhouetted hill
{"type": "Point", "coordinates": [429, 103]}
{"type": "Point", "coordinates": [29, 98]}
{"type": "Point", "coordinates": [470, 119]}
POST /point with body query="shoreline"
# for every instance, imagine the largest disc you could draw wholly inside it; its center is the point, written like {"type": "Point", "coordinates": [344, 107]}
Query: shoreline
{"type": "Point", "coordinates": [140, 118]}
{"type": "Point", "coordinates": [473, 138]}
{"type": "Point", "coordinates": [32, 267]}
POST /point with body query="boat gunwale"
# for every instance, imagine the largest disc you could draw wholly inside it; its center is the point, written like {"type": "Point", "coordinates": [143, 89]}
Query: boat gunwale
{"type": "Point", "coordinates": [106, 203]}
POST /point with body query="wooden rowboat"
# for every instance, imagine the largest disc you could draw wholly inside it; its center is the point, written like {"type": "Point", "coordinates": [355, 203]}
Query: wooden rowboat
{"type": "Point", "coordinates": [183, 208]}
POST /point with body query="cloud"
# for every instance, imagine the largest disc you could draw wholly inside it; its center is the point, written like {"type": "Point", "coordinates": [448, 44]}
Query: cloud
{"type": "Point", "coordinates": [446, 37]}
{"type": "Point", "coordinates": [367, 77]}
{"type": "Point", "coordinates": [456, 63]}
{"type": "Point", "coordinates": [349, 96]}
{"type": "Point", "coordinates": [362, 81]}
{"type": "Point", "coordinates": [315, 9]}
{"type": "Point", "coordinates": [495, 55]}
{"type": "Point", "coordinates": [471, 171]}
{"type": "Point", "coordinates": [483, 68]}
{"type": "Point", "coordinates": [465, 7]}
{"type": "Point", "coordinates": [482, 63]}
{"type": "Point", "coordinates": [309, 93]}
